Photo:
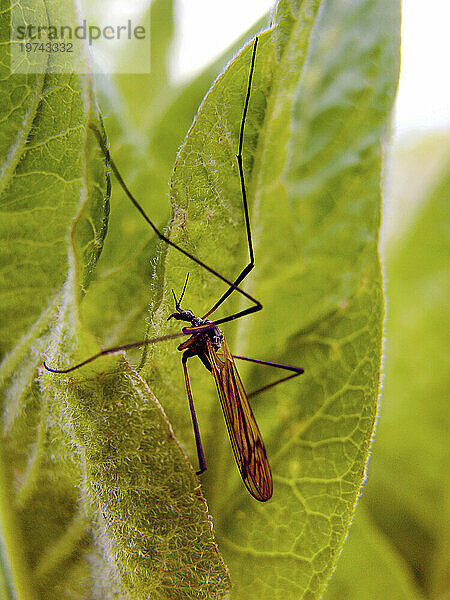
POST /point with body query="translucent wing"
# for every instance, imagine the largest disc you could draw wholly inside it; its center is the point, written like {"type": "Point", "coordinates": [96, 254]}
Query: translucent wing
{"type": "Point", "coordinates": [248, 446]}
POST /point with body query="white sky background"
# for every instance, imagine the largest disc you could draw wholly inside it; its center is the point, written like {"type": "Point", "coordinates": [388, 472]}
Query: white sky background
{"type": "Point", "coordinates": [207, 27]}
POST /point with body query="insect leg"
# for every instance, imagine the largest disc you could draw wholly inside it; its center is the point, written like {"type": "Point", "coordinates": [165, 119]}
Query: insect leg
{"type": "Point", "coordinates": [296, 371]}
{"type": "Point", "coordinates": [251, 263]}
{"type": "Point", "coordinates": [257, 305]}
{"type": "Point", "coordinates": [198, 442]}
{"type": "Point", "coordinates": [115, 349]}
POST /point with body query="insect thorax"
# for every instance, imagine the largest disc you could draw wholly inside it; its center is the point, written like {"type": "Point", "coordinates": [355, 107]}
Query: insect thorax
{"type": "Point", "coordinates": [213, 334]}
{"type": "Point", "coordinates": [199, 338]}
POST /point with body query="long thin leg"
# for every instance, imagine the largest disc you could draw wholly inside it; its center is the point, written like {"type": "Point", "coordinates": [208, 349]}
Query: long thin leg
{"type": "Point", "coordinates": [246, 270]}
{"type": "Point", "coordinates": [232, 286]}
{"type": "Point", "coordinates": [161, 236]}
{"type": "Point", "coordinates": [296, 371]}
{"type": "Point", "coordinates": [198, 442]}
{"type": "Point", "coordinates": [115, 349]}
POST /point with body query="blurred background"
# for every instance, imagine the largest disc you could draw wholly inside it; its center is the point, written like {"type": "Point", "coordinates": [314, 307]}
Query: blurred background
{"type": "Point", "coordinates": [399, 544]}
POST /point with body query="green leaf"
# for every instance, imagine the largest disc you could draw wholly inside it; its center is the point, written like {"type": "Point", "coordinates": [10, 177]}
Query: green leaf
{"type": "Point", "coordinates": [49, 162]}
{"type": "Point", "coordinates": [138, 492]}
{"type": "Point", "coordinates": [406, 535]}
{"type": "Point", "coordinates": [408, 491]}
{"type": "Point", "coordinates": [99, 469]}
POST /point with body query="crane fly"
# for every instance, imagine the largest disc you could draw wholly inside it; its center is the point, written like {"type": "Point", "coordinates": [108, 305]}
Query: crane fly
{"type": "Point", "coordinates": [211, 347]}
{"type": "Point", "coordinates": [208, 343]}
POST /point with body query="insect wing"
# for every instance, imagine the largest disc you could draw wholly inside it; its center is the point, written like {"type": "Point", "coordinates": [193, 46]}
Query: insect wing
{"type": "Point", "coordinates": [246, 440]}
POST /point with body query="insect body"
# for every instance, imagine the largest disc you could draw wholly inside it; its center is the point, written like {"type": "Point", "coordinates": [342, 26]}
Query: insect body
{"type": "Point", "coordinates": [246, 439]}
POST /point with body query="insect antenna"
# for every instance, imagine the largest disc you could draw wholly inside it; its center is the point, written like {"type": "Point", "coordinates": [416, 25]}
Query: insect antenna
{"type": "Point", "coordinates": [178, 302]}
